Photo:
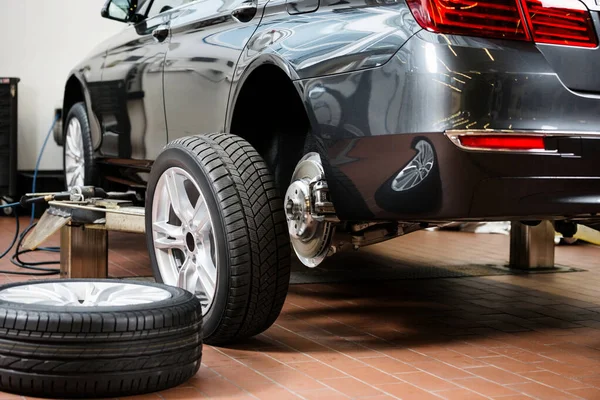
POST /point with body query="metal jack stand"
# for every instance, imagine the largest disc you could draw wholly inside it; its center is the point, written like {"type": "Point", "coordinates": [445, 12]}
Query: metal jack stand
{"type": "Point", "coordinates": [532, 247]}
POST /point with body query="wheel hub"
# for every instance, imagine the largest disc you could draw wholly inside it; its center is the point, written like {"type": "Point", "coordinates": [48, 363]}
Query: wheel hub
{"type": "Point", "coordinates": [190, 242]}
{"type": "Point", "coordinates": [301, 224]}
{"type": "Point", "coordinates": [310, 236]}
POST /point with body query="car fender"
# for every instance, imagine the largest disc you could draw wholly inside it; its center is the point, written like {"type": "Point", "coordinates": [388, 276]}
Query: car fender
{"type": "Point", "coordinates": [338, 38]}
{"type": "Point", "coordinates": [93, 120]}
{"type": "Point", "coordinates": [246, 66]}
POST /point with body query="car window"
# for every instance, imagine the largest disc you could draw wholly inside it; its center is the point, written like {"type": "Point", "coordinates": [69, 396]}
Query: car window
{"type": "Point", "coordinates": [142, 6]}
{"type": "Point", "coordinates": [161, 6]}
{"type": "Point", "coordinates": [119, 10]}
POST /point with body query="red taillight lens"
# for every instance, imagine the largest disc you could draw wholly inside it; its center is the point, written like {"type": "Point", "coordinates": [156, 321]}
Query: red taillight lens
{"type": "Point", "coordinates": [493, 18]}
{"type": "Point", "coordinates": [565, 22]}
{"type": "Point", "coordinates": [503, 142]}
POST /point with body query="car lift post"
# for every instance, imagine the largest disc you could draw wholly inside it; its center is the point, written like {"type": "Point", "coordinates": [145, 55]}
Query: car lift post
{"type": "Point", "coordinates": [532, 247]}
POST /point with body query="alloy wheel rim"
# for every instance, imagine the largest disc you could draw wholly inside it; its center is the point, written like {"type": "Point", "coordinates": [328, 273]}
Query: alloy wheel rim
{"type": "Point", "coordinates": [183, 236]}
{"type": "Point", "coordinates": [74, 155]}
{"type": "Point", "coordinates": [415, 172]}
{"type": "Point", "coordinates": [84, 294]}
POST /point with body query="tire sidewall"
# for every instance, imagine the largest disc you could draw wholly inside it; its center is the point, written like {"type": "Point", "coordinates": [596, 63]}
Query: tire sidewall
{"type": "Point", "coordinates": [78, 111]}
{"type": "Point", "coordinates": [99, 352]}
{"type": "Point", "coordinates": [184, 159]}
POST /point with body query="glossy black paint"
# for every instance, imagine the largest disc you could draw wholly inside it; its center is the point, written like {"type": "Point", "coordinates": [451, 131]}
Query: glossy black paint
{"type": "Point", "coordinates": [206, 42]}
{"type": "Point", "coordinates": [372, 83]}
{"type": "Point", "coordinates": [440, 82]}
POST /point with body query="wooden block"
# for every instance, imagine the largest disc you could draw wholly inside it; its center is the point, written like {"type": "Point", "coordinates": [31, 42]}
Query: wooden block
{"type": "Point", "coordinates": [83, 252]}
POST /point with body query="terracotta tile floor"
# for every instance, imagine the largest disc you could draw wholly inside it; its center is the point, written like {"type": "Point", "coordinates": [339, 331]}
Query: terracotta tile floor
{"type": "Point", "coordinates": [499, 337]}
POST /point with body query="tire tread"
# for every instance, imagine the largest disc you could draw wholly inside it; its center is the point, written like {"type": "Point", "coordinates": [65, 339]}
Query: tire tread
{"type": "Point", "coordinates": [79, 354]}
{"type": "Point", "coordinates": [255, 228]}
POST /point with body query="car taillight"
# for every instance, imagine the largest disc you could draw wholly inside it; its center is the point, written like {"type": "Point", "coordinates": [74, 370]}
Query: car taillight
{"type": "Point", "coordinates": [565, 22]}
{"type": "Point", "coordinates": [502, 142]}
{"type": "Point", "coordinates": [494, 18]}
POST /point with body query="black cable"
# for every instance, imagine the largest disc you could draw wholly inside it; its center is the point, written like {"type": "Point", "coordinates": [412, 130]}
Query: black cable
{"type": "Point", "coordinates": [33, 265]}
{"type": "Point", "coordinates": [15, 237]}
{"type": "Point", "coordinates": [15, 259]}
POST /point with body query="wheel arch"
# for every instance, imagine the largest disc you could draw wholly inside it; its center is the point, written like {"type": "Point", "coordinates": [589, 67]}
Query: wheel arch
{"type": "Point", "coordinates": [246, 70]}
{"type": "Point", "coordinates": [269, 86]}
{"type": "Point", "coordinates": [76, 91]}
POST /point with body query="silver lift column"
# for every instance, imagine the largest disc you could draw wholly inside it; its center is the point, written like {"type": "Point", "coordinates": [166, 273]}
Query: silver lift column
{"type": "Point", "coordinates": [531, 247]}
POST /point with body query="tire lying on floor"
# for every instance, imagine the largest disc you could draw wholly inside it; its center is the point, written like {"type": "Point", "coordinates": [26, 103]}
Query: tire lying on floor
{"type": "Point", "coordinates": [215, 226]}
{"type": "Point", "coordinates": [97, 338]}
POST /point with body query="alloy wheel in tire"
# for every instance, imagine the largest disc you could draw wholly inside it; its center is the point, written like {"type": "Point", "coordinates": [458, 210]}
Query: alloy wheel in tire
{"type": "Point", "coordinates": [416, 170]}
{"type": "Point", "coordinates": [84, 294]}
{"type": "Point", "coordinates": [97, 338]}
{"type": "Point", "coordinates": [216, 226]}
{"type": "Point", "coordinates": [74, 154]}
{"type": "Point", "coordinates": [183, 235]}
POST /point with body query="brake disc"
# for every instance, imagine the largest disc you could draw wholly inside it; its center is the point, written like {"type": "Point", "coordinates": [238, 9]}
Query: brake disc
{"type": "Point", "coordinates": [309, 235]}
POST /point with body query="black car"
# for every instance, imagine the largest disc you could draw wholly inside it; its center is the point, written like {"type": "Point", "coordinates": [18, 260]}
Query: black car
{"type": "Point", "coordinates": [336, 124]}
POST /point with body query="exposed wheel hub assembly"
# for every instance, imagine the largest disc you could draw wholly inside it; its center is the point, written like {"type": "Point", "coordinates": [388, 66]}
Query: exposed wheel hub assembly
{"type": "Point", "coordinates": [306, 209]}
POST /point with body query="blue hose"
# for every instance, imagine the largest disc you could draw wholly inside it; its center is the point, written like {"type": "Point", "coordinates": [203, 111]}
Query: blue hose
{"type": "Point", "coordinates": [37, 166]}
{"type": "Point", "coordinates": [9, 205]}
{"type": "Point", "coordinates": [32, 266]}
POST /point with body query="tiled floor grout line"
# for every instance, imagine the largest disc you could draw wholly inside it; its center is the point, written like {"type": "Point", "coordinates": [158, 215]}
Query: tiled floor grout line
{"type": "Point", "coordinates": [348, 326]}
{"type": "Point", "coordinates": [331, 366]}
{"type": "Point", "coordinates": [465, 368]}
{"type": "Point", "coordinates": [524, 377]}
{"type": "Point", "coordinates": [430, 356]}
{"type": "Point", "coordinates": [256, 371]}
{"type": "Point", "coordinates": [229, 380]}
{"type": "Point", "coordinates": [355, 359]}
{"type": "Point", "coordinates": [120, 265]}
{"type": "Point", "coordinates": [313, 360]}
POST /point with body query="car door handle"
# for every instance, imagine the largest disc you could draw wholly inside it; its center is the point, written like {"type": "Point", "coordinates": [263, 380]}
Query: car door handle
{"type": "Point", "coordinates": [245, 11]}
{"type": "Point", "coordinates": [161, 33]}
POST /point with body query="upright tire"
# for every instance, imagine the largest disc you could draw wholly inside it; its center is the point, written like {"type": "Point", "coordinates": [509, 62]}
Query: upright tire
{"type": "Point", "coordinates": [97, 338]}
{"type": "Point", "coordinates": [78, 152]}
{"type": "Point", "coordinates": [215, 225]}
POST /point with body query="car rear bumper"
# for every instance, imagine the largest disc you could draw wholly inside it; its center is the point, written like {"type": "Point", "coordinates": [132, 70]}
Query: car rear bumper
{"type": "Point", "coordinates": [368, 124]}
{"type": "Point", "coordinates": [461, 184]}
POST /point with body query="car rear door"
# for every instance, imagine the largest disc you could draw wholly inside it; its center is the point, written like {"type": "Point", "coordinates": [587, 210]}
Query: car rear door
{"type": "Point", "coordinates": [207, 38]}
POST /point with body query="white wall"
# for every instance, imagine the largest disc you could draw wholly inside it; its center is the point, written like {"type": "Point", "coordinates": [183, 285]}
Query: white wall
{"type": "Point", "coordinates": [42, 40]}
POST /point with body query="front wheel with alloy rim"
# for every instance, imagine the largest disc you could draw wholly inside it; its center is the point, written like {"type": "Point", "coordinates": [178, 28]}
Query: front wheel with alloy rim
{"type": "Point", "coordinates": [78, 153]}
{"type": "Point", "coordinates": [216, 227]}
